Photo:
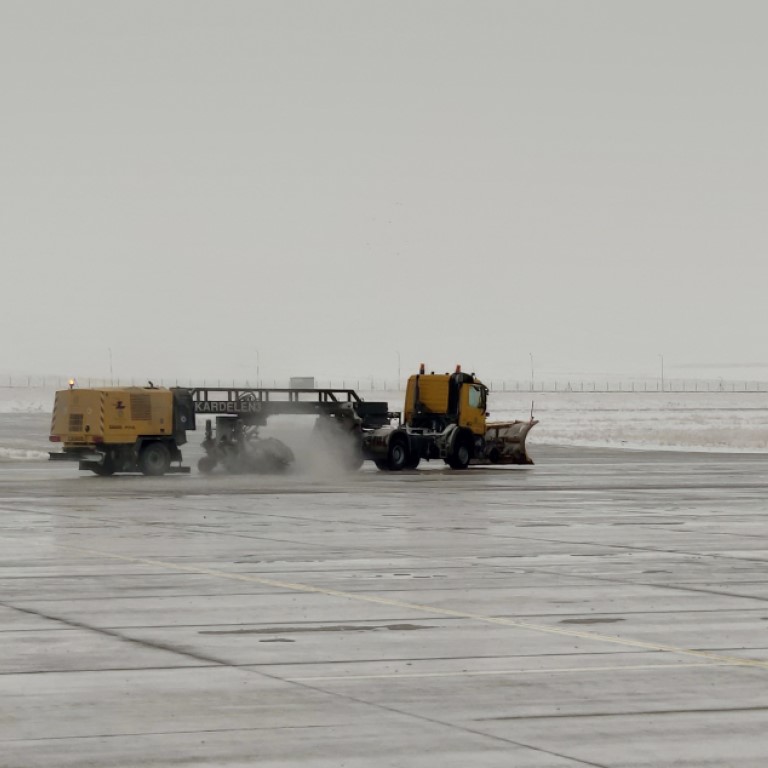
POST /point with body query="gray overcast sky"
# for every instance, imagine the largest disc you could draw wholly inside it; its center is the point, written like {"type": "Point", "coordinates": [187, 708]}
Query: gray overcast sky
{"type": "Point", "coordinates": [331, 183]}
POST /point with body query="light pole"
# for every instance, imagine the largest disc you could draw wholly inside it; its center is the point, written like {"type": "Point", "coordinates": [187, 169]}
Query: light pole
{"type": "Point", "coordinates": [530, 354]}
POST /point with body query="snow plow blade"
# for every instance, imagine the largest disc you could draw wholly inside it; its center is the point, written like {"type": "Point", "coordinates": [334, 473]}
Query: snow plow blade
{"type": "Point", "coordinates": [505, 442]}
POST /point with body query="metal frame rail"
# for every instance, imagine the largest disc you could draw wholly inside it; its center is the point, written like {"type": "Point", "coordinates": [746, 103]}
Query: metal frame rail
{"type": "Point", "coordinates": [263, 394]}
{"type": "Point", "coordinates": [254, 405]}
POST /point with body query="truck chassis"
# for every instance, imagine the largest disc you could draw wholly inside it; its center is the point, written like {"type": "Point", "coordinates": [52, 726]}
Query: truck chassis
{"type": "Point", "coordinates": [356, 430]}
{"type": "Point", "coordinates": [232, 438]}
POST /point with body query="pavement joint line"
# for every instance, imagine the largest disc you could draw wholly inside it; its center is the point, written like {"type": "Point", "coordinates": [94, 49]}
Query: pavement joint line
{"type": "Point", "coordinates": [308, 588]}
{"type": "Point", "coordinates": [503, 672]}
{"type": "Point", "coordinates": [630, 713]}
{"type": "Point", "coordinates": [255, 669]}
{"type": "Point", "coordinates": [134, 734]}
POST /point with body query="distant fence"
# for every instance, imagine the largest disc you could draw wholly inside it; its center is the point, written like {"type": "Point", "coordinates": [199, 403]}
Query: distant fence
{"type": "Point", "coordinates": [637, 386]}
{"type": "Point", "coordinates": [628, 387]}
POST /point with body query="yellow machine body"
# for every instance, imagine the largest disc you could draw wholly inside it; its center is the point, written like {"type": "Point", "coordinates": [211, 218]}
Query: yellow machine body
{"type": "Point", "coordinates": [111, 416]}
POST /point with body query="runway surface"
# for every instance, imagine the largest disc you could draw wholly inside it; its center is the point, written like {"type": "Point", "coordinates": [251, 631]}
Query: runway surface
{"type": "Point", "coordinates": [602, 608]}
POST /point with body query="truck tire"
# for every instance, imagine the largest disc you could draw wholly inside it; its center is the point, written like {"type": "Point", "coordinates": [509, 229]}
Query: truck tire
{"type": "Point", "coordinates": [398, 455]}
{"type": "Point", "coordinates": [461, 454]}
{"type": "Point", "coordinates": [382, 464]}
{"type": "Point", "coordinates": [413, 461]}
{"type": "Point", "coordinates": [354, 460]}
{"type": "Point", "coordinates": [103, 470]}
{"type": "Point", "coordinates": [155, 459]}
{"type": "Point", "coordinates": [106, 468]}
{"type": "Point", "coordinates": [206, 464]}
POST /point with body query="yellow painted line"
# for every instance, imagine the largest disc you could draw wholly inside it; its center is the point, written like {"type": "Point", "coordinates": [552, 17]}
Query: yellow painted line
{"type": "Point", "coordinates": [503, 672]}
{"type": "Point", "coordinates": [497, 620]}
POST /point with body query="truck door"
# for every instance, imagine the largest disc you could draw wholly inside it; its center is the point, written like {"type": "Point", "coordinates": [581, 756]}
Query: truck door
{"type": "Point", "coordinates": [472, 409]}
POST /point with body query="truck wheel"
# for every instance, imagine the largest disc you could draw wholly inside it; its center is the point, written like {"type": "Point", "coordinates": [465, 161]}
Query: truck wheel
{"type": "Point", "coordinates": [155, 459]}
{"type": "Point", "coordinates": [106, 468]}
{"type": "Point", "coordinates": [413, 461]}
{"type": "Point", "coordinates": [355, 460]}
{"type": "Point", "coordinates": [103, 470]}
{"type": "Point", "coordinates": [382, 464]}
{"type": "Point", "coordinates": [461, 455]}
{"type": "Point", "coordinates": [398, 454]}
{"type": "Point", "coordinates": [206, 464]}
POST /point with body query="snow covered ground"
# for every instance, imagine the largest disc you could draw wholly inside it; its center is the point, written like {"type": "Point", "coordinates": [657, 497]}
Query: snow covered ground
{"type": "Point", "coordinates": [26, 399]}
{"type": "Point", "coordinates": [689, 421]}
{"type": "Point", "coordinates": [704, 421]}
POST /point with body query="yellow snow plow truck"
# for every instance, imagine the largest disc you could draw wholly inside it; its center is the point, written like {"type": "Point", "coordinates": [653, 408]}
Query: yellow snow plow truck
{"type": "Point", "coordinates": [141, 429]}
{"type": "Point", "coordinates": [122, 429]}
{"type": "Point", "coordinates": [445, 418]}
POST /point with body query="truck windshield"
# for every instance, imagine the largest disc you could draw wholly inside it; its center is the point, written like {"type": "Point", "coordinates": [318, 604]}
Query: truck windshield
{"type": "Point", "coordinates": [476, 397]}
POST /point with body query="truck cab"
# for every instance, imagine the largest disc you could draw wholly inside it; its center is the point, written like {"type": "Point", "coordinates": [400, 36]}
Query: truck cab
{"type": "Point", "coordinates": [443, 418]}
{"type": "Point", "coordinates": [435, 401]}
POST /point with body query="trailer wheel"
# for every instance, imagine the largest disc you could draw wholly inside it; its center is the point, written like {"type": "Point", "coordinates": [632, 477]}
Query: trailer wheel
{"type": "Point", "coordinates": [398, 454]}
{"type": "Point", "coordinates": [206, 464]}
{"type": "Point", "coordinates": [155, 459]}
{"type": "Point", "coordinates": [333, 438]}
{"type": "Point", "coordinates": [459, 458]}
{"type": "Point", "coordinates": [103, 470]}
{"type": "Point", "coordinates": [106, 468]}
{"type": "Point", "coordinates": [355, 460]}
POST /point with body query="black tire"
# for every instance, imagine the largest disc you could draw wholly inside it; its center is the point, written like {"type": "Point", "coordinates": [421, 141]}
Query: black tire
{"type": "Point", "coordinates": [462, 453]}
{"type": "Point", "coordinates": [382, 464]}
{"type": "Point", "coordinates": [353, 450]}
{"type": "Point", "coordinates": [399, 455]}
{"type": "Point", "coordinates": [206, 464]}
{"type": "Point", "coordinates": [413, 461]}
{"type": "Point", "coordinates": [106, 468]}
{"type": "Point", "coordinates": [340, 443]}
{"type": "Point", "coordinates": [155, 459]}
{"type": "Point", "coordinates": [354, 460]}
